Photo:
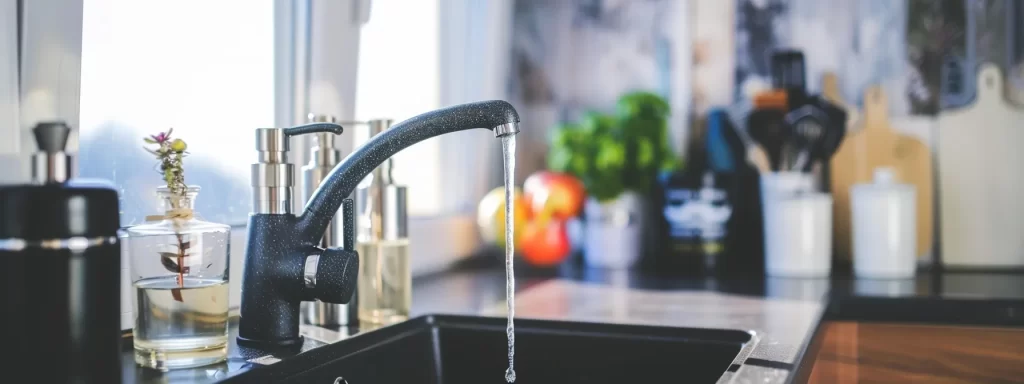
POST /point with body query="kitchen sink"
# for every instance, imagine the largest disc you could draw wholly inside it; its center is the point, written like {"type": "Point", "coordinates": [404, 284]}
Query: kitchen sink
{"type": "Point", "coordinates": [465, 349]}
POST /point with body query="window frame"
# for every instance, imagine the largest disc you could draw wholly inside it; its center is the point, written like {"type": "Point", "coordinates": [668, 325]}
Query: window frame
{"type": "Point", "coordinates": [315, 61]}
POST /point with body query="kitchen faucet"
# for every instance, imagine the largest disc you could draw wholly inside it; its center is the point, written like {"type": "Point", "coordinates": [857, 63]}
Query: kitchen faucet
{"type": "Point", "coordinates": [283, 263]}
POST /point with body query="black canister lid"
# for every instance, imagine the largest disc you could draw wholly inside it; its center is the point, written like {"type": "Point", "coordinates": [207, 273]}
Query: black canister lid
{"type": "Point", "coordinates": [77, 208]}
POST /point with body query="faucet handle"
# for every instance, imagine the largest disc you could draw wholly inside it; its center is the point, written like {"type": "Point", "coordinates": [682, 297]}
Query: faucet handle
{"type": "Point", "coordinates": [331, 276]}
{"type": "Point", "coordinates": [348, 217]}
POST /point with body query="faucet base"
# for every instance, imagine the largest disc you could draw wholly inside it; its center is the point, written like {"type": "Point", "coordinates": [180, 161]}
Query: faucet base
{"type": "Point", "coordinates": [270, 345]}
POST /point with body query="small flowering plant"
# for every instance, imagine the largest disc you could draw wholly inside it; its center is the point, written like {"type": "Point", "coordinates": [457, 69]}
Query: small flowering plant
{"type": "Point", "coordinates": [170, 153]}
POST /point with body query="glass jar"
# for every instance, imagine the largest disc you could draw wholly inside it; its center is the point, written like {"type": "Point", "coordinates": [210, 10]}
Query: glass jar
{"type": "Point", "coordinates": [179, 272]}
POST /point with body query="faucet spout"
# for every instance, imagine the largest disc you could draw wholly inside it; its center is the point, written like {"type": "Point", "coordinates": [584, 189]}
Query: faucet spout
{"type": "Point", "coordinates": [496, 115]}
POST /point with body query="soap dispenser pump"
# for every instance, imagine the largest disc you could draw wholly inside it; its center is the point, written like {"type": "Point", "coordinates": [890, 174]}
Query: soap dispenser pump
{"type": "Point", "coordinates": [323, 157]}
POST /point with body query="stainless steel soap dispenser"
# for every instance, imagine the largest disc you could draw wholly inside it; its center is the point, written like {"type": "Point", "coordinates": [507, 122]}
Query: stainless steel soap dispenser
{"type": "Point", "coordinates": [323, 157]}
{"type": "Point", "coordinates": [385, 279]}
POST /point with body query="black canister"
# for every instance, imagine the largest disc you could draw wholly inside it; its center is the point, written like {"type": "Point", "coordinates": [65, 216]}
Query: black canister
{"type": "Point", "coordinates": [61, 264]}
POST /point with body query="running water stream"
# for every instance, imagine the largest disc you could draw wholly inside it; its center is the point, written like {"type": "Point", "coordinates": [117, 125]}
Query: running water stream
{"type": "Point", "coordinates": [508, 149]}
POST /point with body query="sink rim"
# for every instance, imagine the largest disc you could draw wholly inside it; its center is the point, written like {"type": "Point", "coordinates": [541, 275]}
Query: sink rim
{"type": "Point", "coordinates": [314, 358]}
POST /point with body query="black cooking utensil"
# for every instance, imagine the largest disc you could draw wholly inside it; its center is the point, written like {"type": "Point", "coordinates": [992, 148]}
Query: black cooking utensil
{"type": "Point", "coordinates": [806, 127]}
{"type": "Point", "coordinates": [768, 128]}
{"type": "Point", "coordinates": [834, 133]}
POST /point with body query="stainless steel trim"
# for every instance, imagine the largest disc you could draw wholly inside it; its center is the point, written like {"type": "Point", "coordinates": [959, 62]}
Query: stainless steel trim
{"type": "Point", "coordinates": [323, 314]}
{"type": "Point", "coordinates": [379, 125]}
{"type": "Point", "coordinates": [264, 360]}
{"type": "Point", "coordinates": [395, 217]}
{"type": "Point", "coordinates": [506, 129]}
{"type": "Point", "coordinates": [316, 118]}
{"type": "Point", "coordinates": [272, 200]}
{"type": "Point", "coordinates": [272, 175]}
{"type": "Point", "coordinates": [271, 140]}
{"type": "Point", "coordinates": [324, 154]}
{"type": "Point", "coordinates": [309, 270]}
{"type": "Point", "coordinates": [72, 243]}
{"type": "Point", "coordinates": [51, 167]}
{"type": "Point", "coordinates": [271, 206]}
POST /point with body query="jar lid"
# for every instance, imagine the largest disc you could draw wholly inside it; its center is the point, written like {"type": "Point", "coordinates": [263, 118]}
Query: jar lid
{"type": "Point", "coordinates": [77, 208]}
{"type": "Point", "coordinates": [884, 181]}
{"type": "Point", "coordinates": [884, 175]}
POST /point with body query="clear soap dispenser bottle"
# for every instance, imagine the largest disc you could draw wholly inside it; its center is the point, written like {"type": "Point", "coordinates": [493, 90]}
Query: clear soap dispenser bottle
{"type": "Point", "coordinates": [322, 159]}
{"type": "Point", "coordinates": [385, 279]}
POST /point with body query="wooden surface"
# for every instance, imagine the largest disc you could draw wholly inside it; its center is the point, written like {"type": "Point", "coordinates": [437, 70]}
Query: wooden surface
{"type": "Point", "coordinates": [980, 179]}
{"type": "Point", "coordinates": [830, 91]}
{"type": "Point", "coordinates": [875, 145]}
{"type": "Point", "coordinates": [908, 353]}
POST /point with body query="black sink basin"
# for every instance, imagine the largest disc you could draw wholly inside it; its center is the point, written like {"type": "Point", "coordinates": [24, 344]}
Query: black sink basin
{"type": "Point", "coordinates": [472, 350]}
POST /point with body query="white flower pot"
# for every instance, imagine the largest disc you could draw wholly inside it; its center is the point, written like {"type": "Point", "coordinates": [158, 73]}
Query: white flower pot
{"type": "Point", "coordinates": [612, 237]}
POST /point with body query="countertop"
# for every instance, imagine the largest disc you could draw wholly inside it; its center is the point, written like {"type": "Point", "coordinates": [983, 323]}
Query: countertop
{"type": "Point", "coordinates": [783, 313]}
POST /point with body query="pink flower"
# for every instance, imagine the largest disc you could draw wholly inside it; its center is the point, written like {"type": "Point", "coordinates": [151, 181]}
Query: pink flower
{"type": "Point", "coordinates": [160, 138]}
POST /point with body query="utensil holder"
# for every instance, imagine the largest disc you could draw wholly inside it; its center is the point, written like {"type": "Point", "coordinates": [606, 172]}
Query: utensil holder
{"type": "Point", "coordinates": [797, 226]}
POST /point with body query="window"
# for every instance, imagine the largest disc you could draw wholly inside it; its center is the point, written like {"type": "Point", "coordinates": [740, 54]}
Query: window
{"type": "Point", "coordinates": [204, 68]}
{"type": "Point", "coordinates": [399, 77]}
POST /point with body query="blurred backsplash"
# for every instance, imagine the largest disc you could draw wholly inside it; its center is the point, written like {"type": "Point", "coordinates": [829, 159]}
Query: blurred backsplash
{"type": "Point", "coordinates": [572, 56]}
{"type": "Point", "coordinates": [907, 94]}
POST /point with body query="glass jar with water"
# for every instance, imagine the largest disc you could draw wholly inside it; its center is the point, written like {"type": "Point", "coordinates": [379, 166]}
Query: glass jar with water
{"type": "Point", "coordinates": [179, 272]}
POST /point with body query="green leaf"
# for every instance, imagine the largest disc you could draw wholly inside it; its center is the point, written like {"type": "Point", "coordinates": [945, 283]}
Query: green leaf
{"type": "Point", "coordinates": [597, 124]}
{"type": "Point", "coordinates": [642, 103]}
{"type": "Point", "coordinates": [559, 159]}
{"type": "Point", "coordinates": [611, 155]}
{"type": "Point", "coordinates": [645, 154]}
{"type": "Point", "coordinates": [579, 166]}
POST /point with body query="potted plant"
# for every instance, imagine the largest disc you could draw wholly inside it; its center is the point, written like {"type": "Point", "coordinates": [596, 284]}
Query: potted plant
{"type": "Point", "coordinates": [618, 157]}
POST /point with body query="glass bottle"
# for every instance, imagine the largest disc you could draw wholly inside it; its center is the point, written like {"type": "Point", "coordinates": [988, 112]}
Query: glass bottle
{"type": "Point", "coordinates": [695, 213]}
{"type": "Point", "coordinates": [385, 279]}
{"type": "Point", "coordinates": [179, 270]}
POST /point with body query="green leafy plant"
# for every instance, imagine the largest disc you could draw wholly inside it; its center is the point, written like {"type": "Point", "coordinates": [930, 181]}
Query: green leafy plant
{"type": "Point", "coordinates": [619, 152]}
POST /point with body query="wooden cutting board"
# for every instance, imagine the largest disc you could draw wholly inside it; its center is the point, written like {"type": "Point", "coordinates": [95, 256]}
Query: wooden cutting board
{"type": "Point", "coordinates": [875, 145]}
{"type": "Point", "coordinates": [980, 179]}
{"type": "Point", "coordinates": [830, 91]}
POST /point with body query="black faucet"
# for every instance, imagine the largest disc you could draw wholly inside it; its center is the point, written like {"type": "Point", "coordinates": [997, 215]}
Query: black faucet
{"type": "Point", "coordinates": [283, 264]}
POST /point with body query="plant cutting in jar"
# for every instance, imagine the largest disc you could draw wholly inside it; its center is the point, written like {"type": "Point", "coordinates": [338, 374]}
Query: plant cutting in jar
{"type": "Point", "coordinates": [170, 153]}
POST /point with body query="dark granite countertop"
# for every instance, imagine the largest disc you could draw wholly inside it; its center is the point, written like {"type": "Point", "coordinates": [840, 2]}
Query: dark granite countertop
{"type": "Point", "coordinates": [477, 286]}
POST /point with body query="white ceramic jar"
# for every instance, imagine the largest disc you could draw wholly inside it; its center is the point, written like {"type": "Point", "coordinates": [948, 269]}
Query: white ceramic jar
{"type": "Point", "coordinates": [884, 227]}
